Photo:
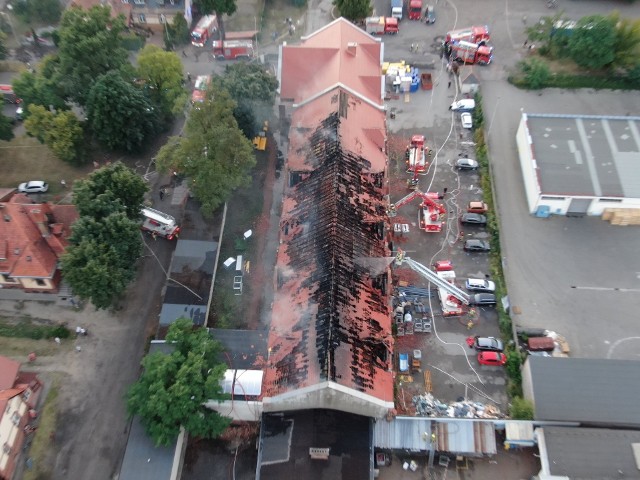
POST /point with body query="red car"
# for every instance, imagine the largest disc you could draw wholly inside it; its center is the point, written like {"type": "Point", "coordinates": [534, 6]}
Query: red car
{"type": "Point", "coordinates": [495, 359]}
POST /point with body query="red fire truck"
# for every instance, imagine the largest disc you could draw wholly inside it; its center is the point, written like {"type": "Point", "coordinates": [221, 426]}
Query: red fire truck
{"type": "Point", "coordinates": [200, 89]}
{"type": "Point", "coordinates": [416, 155]}
{"type": "Point", "coordinates": [233, 49]}
{"type": "Point", "coordinates": [478, 35]}
{"type": "Point", "coordinates": [467, 52]}
{"type": "Point", "coordinates": [159, 223]}
{"type": "Point", "coordinates": [203, 30]}
{"type": "Point", "coordinates": [415, 9]}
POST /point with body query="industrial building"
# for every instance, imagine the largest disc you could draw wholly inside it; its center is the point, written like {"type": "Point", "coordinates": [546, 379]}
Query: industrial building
{"type": "Point", "coordinates": [580, 165]}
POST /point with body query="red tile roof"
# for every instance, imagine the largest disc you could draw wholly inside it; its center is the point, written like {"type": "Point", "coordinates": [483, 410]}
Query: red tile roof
{"type": "Point", "coordinates": [33, 237]}
{"type": "Point", "coordinates": [338, 54]}
{"type": "Point", "coordinates": [8, 372]}
{"type": "Point", "coordinates": [362, 129]}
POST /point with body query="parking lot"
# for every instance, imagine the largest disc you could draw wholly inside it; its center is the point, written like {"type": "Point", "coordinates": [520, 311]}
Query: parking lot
{"type": "Point", "coordinates": [578, 277]}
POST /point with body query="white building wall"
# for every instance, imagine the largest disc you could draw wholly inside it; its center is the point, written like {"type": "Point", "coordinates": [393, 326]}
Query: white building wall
{"type": "Point", "coordinates": [528, 164]}
{"type": "Point", "coordinates": [601, 204]}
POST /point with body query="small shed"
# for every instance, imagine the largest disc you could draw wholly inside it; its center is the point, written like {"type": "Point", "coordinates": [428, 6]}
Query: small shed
{"type": "Point", "coordinates": [469, 82]}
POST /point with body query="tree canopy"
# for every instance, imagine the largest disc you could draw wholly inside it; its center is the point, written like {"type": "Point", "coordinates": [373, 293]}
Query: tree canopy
{"type": "Point", "coordinates": [173, 389]}
{"type": "Point", "coordinates": [220, 8]}
{"type": "Point", "coordinates": [41, 87]}
{"type": "Point", "coordinates": [213, 152]}
{"type": "Point", "coordinates": [6, 129]}
{"type": "Point", "coordinates": [177, 32]}
{"type": "Point", "coordinates": [61, 132]}
{"type": "Point", "coordinates": [110, 189]}
{"type": "Point", "coordinates": [46, 11]}
{"type": "Point", "coordinates": [354, 9]}
{"type": "Point", "coordinates": [162, 73]}
{"type": "Point", "coordinates": [90, 46]}
{"type": "Point", "coordinates": [592, 44]}
{"type": "Point", "coordinates": [120, 114]}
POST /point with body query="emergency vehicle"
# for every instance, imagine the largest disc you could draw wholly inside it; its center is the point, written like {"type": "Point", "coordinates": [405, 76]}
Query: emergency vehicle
{"type": "Point", "coordinates": [159, 223]}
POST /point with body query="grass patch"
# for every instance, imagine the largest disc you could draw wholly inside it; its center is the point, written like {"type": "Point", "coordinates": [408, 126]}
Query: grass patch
{"type": "Point", "coordinates": [21, 347]}
{"type": "Point", "coordinates": [27, 328]}
{"type": "Point", "coordinates": [41, 451]}
{"type": "Point", "coordinates": [24, 158]}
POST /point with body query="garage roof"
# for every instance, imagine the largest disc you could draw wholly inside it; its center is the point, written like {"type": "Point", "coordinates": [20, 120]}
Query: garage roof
{"type": "Point", "coordinates": [580, 390]}
{"type": "Point", "coordinates": [594, 156]}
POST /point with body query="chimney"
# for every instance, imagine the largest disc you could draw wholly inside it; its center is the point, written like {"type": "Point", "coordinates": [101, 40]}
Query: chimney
{"type": "Point", "coordinates": [352, 48]}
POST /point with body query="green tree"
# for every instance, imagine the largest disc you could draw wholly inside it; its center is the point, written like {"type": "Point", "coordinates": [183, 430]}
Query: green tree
{"type": "Point", "coordinates": [213, 152]}
{"type": "Point", "coordinates": [61, 132]}
{"type": "Point", "coordinates": [627, 46]}
{"type": "Point", "coordinates": [592, 44]}
{"type": "Point", "coordinates": [254, 91]}
{"type": "Point", "coordinates": [90, 46]}
{"type": "Point", "coordinates": [6, 128]}
{"type": "Point", "coordinates": [46, 11]}
{"type": "Point", "coordinates": [521, 409]}
{"type": "Point", "coordinates": [110, 189]}
{"type": "Point", "coordinates": [177, 32]}
{"type": "Point", "coordinates": [38, 122]}
{"type": "Point", "coordinates": [173, 389]}
{"type": "Point", "coordinates": [536, 72]}
{"type": "Point", "coordinates": [100, 262]}
{"type": "Point", "coordinates": [119, 113]}
{"type": "Point", "coordinates": [354, 9]}
{"type": "Point", "coordinates": [3, 46]}
{"type": "Point", "coordinates": [41, 87]}
{"type": "Point", "coordinates": [162, 72]}
{"type": "Point", "coordinates": [543, 33]}
{"type": "Point", "coordinates": [220, 8]}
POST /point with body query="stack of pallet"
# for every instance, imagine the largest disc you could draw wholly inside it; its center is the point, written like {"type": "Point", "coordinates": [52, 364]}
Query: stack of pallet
{"type": "Point", "coordinates": [622, 216]}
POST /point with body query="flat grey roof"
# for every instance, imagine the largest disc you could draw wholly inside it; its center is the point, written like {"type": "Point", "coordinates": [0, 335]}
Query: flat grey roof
{"type": "Point", "coordinates": [590, 391]}
{"type": "Point", "coordinates": [593, 156]}
{"type": "Point", "coordinates": [243, 349]}
{"type": "Point", "coordinates": [591, 453]}
{"type": "Point", "coordinates": [171, 312]}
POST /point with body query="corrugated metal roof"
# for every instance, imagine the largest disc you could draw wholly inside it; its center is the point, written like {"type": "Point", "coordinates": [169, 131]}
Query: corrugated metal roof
{"type": "Point", "coordinates": [403, 433]}
{"type": "Point", "coordinates": [579, 390]}
{"type": "Point", "coordinates": [466, 437]}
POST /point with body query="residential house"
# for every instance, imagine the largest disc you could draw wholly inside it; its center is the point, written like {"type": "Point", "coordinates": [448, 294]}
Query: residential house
{"type": "Point", "coordinates": [33, 237]}
{"type": "Point", "coordinates": [19, 393]}
{"type": "Point", "coordinates": [117, 7]}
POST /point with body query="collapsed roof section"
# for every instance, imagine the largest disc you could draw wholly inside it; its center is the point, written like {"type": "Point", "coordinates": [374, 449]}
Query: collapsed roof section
{"type": "Point", "coordinates": [330, 340]}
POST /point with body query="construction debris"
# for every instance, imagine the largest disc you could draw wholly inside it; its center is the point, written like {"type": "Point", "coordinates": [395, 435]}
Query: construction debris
{"type": "Point", "coordinates": [428, 406]}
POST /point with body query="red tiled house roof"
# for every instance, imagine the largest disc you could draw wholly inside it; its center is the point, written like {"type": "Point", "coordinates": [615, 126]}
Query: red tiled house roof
{"type": "Point", "coordinates": [337, 54]}
{"type": "Point", "coordinates": [33, 237]}
{"type": "Point", "coordinates": [330, 339]}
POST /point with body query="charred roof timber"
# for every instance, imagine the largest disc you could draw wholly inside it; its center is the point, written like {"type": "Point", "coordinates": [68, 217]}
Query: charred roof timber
{"type": "Point", "coordinates": [341, 205]}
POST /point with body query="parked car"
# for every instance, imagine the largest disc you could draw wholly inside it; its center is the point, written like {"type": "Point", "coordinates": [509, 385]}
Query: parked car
{"type": "Point", "coordinates": [467, 120]}
{"type": "Point", "coordinates": [429, 15]}
{"type": "Point", "coordinates": [34, 186]}
{"type": "Point", "coordinates": [464, 105]}
{"type": "Point", "coordinates": [487, 344]}
{"type": "Point", "coordinates": [497, 359]}
{"type": "Point", "coordinates": [476, 245]}
{"type": "Point", "coordinates": [480, 285]}
{"type": "Point", "coordinates": [473, 219]}
{"type": "Point", "coordinates": [483, 299]}
{"type": "Point", "coordinates": [466, 164]}
{"type": "Point", "coordinates": [477, 207]}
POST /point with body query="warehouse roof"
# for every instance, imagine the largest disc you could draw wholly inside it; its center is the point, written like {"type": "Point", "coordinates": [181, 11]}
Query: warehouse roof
{"type": "Point", "coordinates": [594, 156]}
{"type": "Point", "coordinates": [580, 390]}
{"type": "Point", "coordinates": [589, 453]}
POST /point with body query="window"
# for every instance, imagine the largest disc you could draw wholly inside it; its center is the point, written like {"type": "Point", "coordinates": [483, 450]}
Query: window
{"type": "Point", "coordinates": [610, 200]}
{"type": "Point", "coordinates": [163, 19]}
{"type": "Point", "coordinates": [7, 279]}
{"type": "Point", "coordinates": [141, 17]}
{"type": "Point", "coordinates": [26, 394]}
{"type": "Point", "coordinates": [15, 418]}
{"type": "Point", "coordinates": [6, 448]}
{"type": "Point", "coordinates": [547, 197]}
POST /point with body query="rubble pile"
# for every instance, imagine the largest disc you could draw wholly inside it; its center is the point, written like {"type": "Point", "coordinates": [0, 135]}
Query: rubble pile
{"type": "Point", "coordinates": [428, 406]}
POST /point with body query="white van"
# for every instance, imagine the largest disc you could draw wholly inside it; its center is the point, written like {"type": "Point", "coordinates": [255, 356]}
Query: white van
{"type": "Point", "coordinates": [480, 285]}
{"type": "Point", "coordinates": [464, 105]}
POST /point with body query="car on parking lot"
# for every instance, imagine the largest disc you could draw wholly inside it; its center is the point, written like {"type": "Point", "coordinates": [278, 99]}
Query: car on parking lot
{"type": "Point", "coordinates": [467, 121]}
{"type": "Point", "coordinates": [497, 359]}
{"type": "Point", "coordinates": [483, 299]}
{"type": "Point", "coordinates": [466, 164]}
{"type": "Point", "coordinates": [477, 207]}
{"type": "Point", "coordinates": [480, 285]}
{"type": "Point", "coordinates": [403, 362]}
{"type": "Point", "coordinates": [429, 15]}
{"type": "Point", "coordinates": [487, 344]}
{"type": "Point", "coordinates": [464, 105]}
{"type": "Point", "coordinates": [476, 245]}
{"type": "Point", "coordinates": [34, 186]}
{"type": "Point", "coordinates": [473, 219]}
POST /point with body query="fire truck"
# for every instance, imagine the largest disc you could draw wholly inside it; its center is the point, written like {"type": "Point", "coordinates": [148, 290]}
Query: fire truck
{"type": "Point", "coordinates": [200, 88]}
{"type": "Point", "coordinates": [416, 155]}
{"type": "Point", "coordinates": [203, 30]}
{"type": "Point", "coordinates": [381, 25]}
{"type": "Point", "coordinates": [478, 35]}
{"type": "Point", "coordinates": [415, 9]}
{"type": "Point", "coordinates": [233, 49]}
{"type": "Point", "coordinates": [467, 52]}
{"type": "Point", "coordinates": [159, 223]}
{"type": "Point", "coordinates": [429, 214]}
